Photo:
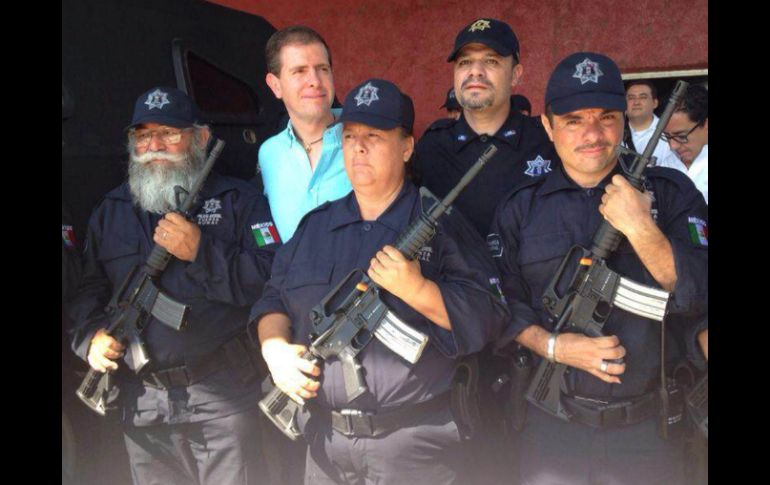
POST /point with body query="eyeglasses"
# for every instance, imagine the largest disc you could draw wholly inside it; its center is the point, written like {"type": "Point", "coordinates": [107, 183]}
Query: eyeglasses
{"type": "Point", "coordinates": [681, 139]}
{"type": "Point", "coordinates": [141, 139]}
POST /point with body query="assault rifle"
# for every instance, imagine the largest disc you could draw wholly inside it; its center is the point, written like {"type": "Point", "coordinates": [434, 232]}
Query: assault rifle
{"type": "Point", "coordinates": [138, 298]}
{"type": "Point", "coordinates": [352, 313]}
{"type": "Point", "coordinates": [593, 289]}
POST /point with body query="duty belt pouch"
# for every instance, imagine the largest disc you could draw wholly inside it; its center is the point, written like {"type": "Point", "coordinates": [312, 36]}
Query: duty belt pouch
{"type": "Point", "coordinates": [238, 354]}
{"type": "Point", "coordinates": [464, 402]}
{"type": "Point", "coordinates": [521, 372]}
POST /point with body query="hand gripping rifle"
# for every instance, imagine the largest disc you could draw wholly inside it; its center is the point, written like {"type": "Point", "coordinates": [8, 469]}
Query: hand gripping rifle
{"type": "Point", "coordinates": [594, 289]}
{"type": "Point", "coordinates": [137, 299]}
{"type": "Point", "coordinates": [352, 313]}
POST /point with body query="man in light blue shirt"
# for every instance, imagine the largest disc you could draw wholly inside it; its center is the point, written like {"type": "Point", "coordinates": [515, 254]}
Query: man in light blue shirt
{"type": "Point", "coordinates": [302, 166]}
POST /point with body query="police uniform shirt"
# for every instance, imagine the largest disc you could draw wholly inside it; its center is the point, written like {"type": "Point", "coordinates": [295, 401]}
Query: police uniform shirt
{"type": "Point", "coordinates": [449, 148]}
{"type": "Point", "coordinates": [333, 240]}
{"type": "Point", "coordinates": [233, 262]}
{"type": "Point", "coordinates": [536, 226]}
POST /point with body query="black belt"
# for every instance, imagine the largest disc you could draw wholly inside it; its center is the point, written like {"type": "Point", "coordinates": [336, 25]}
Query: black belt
{"type": "Point", "coordinates": [602, 414]}
{"type": "Point", "coordinates": [195, 369]}
{"type": "Point", "coordinates": [354, 422]}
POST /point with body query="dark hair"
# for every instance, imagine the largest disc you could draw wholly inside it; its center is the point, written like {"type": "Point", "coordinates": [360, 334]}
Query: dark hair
{"type": "Point", "coordinates": [644, 82]}
{"type": "Point", "coordinates": [521, 103]}
{"type": "Point", "coordinates": [695, 103]}
{"type": "Point", "coordinates": [296, 34]}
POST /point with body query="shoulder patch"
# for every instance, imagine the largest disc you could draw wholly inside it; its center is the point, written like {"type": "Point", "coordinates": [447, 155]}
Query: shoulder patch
{"type": "Point", "coordinates": [698, 231]}
{"type": "Point", "coordinates": [265, 233]}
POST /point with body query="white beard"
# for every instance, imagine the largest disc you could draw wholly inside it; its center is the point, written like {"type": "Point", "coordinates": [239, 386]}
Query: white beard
{"type": "Point", "coordinates": [152, 185]}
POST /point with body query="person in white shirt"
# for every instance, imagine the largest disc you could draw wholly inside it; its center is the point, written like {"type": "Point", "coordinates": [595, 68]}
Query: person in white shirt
{"type": "Point", "coordinates": [641, 102]}
{"type": "Point", "coordinates": [687, 133]}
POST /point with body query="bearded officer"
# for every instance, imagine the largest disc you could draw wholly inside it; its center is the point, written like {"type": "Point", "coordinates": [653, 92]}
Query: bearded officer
{"type": "Point", "coordinates": [189, 417]}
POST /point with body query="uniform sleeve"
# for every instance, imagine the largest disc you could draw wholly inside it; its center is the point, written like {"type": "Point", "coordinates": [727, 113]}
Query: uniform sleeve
{"type": "Point", "coordinates": [467, 278]}
{"type": "Point", "coordinates": [271, 300]}
{"type": "Point", "coordinates": [685, 224]}
{"type": "Point", "coordinates": [234, 272]}
{"type": "Point", "coordinates": [503, 244]}
{"type": "Point", "coordinates": [694, 352]}
{"type": "Point", "coordinates": [87, 308]}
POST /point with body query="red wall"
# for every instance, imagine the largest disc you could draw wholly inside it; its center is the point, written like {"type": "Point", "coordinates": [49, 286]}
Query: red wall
{"type": "Point", "coordinates": [407, 42]}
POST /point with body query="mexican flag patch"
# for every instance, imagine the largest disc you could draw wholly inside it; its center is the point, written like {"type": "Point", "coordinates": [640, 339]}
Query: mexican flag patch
{"type": "Point", "coordinates": [265, 233]}
{"type": "Point", "coordinates": [698, 231]}
{"type": "Point", "coordinates": [68, 236]}
{"type": "Point", "coordinates": [494, 284]}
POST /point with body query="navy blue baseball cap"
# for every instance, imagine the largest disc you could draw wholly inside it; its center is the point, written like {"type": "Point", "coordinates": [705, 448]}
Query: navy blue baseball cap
{"type": "Point", "coordinates": [451, 100]}
{"type": "Point", "coordinates": [495, 34]}
{"type": "Point", "coordinates": [585, 80]}
{"type": "Point", "coordinates": [165, 106]}
{"type": "Point", "coordinates": [378, 103]}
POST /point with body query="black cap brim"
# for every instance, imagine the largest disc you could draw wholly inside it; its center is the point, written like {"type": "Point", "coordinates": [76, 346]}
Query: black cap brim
{"type": "Point", "coordinates": [575, 102]}
{"type": "Point", "coordinates": [368, 119]}
{"type": "Point", "coordinates": [492, 44]}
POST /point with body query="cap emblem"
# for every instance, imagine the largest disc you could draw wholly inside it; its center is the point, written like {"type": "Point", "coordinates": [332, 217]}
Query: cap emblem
{"type": "Point", "coordinates": [367, 95]}
{"type": "Point", "coordinates": [480, 25]}
{"type": "Point", "coordinates": [587, 71]}
{"type": "Point", "coordinates": [157, 99]}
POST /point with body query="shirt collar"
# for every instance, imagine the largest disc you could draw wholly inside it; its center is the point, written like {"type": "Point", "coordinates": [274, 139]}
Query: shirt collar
{"type": "Point", "coordinates": [348, 212]}
{"type": "Point", "coordinates": [329, 131]}
{"type": "Point", "coordinates": [509, 132]}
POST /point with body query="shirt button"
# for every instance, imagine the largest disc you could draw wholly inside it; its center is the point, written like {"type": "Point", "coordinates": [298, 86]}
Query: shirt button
{"type": "Point", "coordinates": [590, 192]}
{"type": "Point", "coordinates": [367, 227]}
{"type": "Point", "coordinates": [483, 138]}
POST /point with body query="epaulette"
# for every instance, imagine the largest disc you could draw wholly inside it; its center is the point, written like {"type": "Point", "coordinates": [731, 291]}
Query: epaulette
{"type": "Point", "coordinates": [441, 124]}
{"type": "Point", "coordinates": [320, 208]}
{"type": "Point", "coordinates": [530, 182]}
{"type": "Point", "coordinates": [681, 180]}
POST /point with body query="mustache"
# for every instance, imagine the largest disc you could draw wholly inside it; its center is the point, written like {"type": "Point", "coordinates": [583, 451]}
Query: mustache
{"type": "Point", "coordinates": [480, 80]}
{"type": "Point", "coordinates": [148, 156]}
{"type": "Point", "coordinates": [592, 146]}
